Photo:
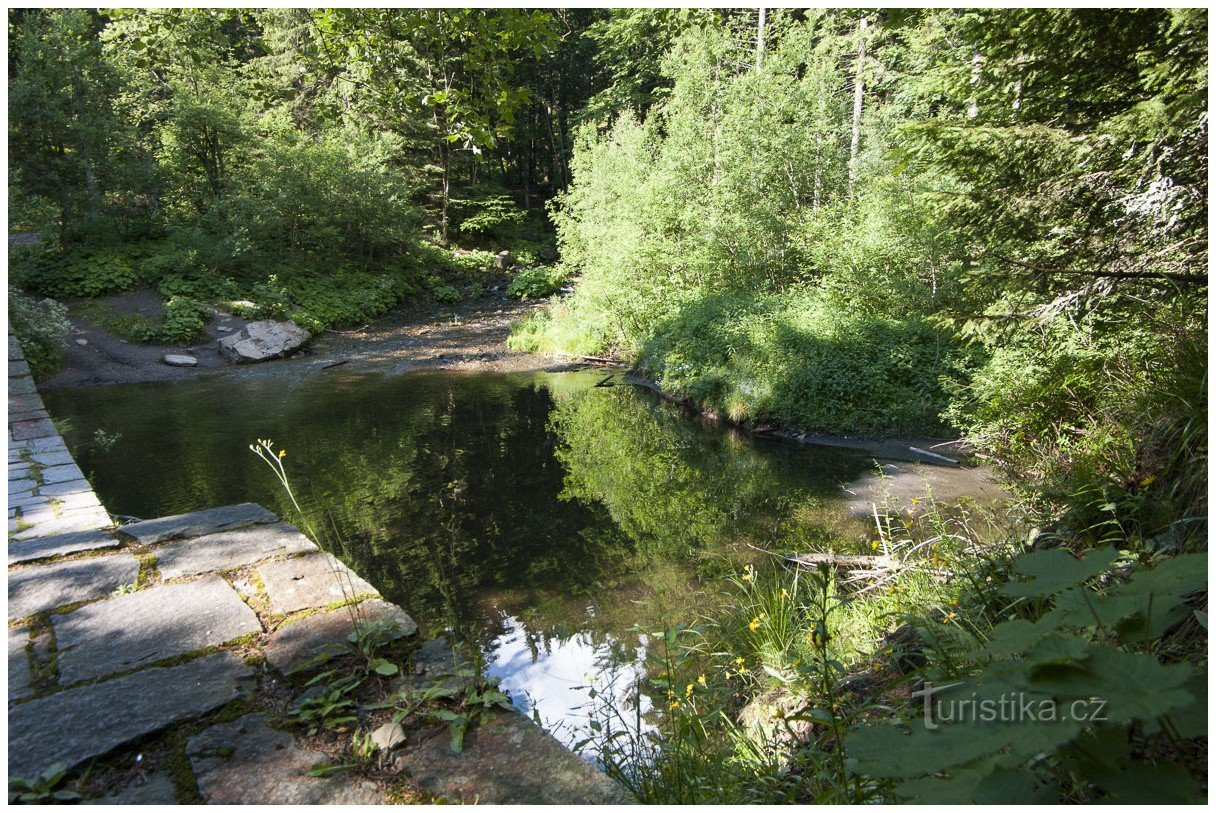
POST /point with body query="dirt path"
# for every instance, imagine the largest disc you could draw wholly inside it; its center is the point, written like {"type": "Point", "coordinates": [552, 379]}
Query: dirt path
{"type": "Point", "coordinates": [469, 336]}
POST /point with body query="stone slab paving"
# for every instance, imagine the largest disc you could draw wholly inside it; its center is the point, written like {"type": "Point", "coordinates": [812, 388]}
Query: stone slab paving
{"type": "Point", "coordinates": [507, 759]}
{"type": "Point", "coordinates": [298, 644]}
{"type": "Point", "coordinates": [139, 628]}
{"type": "Point", "coordinates": [310, 581]}
{"type": "Point", "coordinates": [88, 721]}
{"type": "Point", "coordinates": [248, 762]}
{"type": "Point", "coordinates": [197, 523]}
{"type": "Point", "coordinates": [40, 466]}
{"type": "Point", "coordinates": [39, 588]}
{"type": "Point", "coordinates": [229, 549]}
{"type": "Point", "coordinates": [18, 666]}
{"type": "Point", "coordinates": [45, 547]}
{"type": "Point", "coordinates": [157, 790]}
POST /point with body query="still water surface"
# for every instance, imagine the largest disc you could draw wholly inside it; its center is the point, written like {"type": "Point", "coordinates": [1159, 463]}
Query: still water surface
{"type": "Point", "coordinates": [542, 521]}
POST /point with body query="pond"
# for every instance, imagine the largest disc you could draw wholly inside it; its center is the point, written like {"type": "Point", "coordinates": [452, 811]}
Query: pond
{"type": "Point", "coordinates": [544, 522]}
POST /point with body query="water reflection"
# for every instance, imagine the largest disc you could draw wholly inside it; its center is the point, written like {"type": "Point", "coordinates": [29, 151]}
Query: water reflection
{"type": "Point", "coordinates": [499, 507]}
{"type": "Point", "coordinates": [564, 682]}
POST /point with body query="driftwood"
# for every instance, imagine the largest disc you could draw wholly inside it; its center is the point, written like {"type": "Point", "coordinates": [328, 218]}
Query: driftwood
{"type": "Point", "coordinates": [877, 563]}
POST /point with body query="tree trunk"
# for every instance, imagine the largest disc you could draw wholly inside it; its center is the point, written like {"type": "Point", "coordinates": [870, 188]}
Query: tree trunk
{"type": "Point", "coordinates": [760, 39]}
{"type": "Point", "coordinates": [858, 97]}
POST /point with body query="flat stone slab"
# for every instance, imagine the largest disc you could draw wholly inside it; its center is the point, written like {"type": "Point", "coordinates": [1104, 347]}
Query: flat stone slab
{"type": "Point", "coordinates": [179, 360]}
{"type": "Point", "coordinates": [506, 760]}
{"type": "Point", "coordinates": [47, 546]}
{"type": "Point", "coordinates": [197, 523]}
{"type": "Point", "coordinates": [248, 762]}
{"type": "Point", "coordinates": [228, 549]}
{"type": "Point", "coordinates": [310, 581]}
{"type": "Point", "coordinates": [62, 473]}
{"type": "Point", "coordinates": [69, 521]}
{"type": "Point", "coordinates": [78, 724]}
{"type": "Point", "coordinates": [27, 430]}
{"type": "Point", "coordinates": [18, 666]}
{"type": "Point", "coordinates": [296, 645]}
{"type": "Point", "coordinates": [39, 588]}
{"type": "Point", "coordinates": [139, 628]}
{"type": "Point", "coordinates": [158, 790]}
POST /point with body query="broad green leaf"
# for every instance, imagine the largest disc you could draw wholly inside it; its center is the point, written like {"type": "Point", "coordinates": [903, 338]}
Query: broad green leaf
{"type": "Point", "coordinates": [1055, 569]}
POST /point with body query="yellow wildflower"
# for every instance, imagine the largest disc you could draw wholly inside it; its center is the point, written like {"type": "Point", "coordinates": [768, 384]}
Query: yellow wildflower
{"type": "Point", "coordinates": [784, 593]}
{"type": "Point", "coordinates": [874, 545]}
{"type": "Point", "coordinates": [1148, 481]}
{"type": "Point", "coordinates": [701, 680]}
{"type": "Point", "coordinates": [739, 661]}
{"type": "Point", "coordinates": [282, 453]}
{"type": "Point", "coordinates": [688, 690]}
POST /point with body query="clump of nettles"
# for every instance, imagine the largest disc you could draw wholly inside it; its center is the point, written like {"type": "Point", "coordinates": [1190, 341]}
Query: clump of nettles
{"type": "Point", "coordinates": [40, 326]}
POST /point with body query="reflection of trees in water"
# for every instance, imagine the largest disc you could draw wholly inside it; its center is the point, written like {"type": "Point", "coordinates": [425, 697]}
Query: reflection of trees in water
{"type": "Point", "coordinates": [469, 497]}
{"type": "Point", "coordinates": [676, 487]}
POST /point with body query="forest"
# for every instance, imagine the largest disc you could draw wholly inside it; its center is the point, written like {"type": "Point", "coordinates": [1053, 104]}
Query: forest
{"type": "Point", "coordinates": [944, 223]}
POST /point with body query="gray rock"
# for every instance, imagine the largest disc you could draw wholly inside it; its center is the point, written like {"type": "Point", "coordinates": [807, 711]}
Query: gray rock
{"type": "Point", "coordinates": [296, 645]}
{"type": "Point", "coordinates": [197, 523]}
{"type": "Point", "coordinates": [388, 736]}
{"type": "Point", "coordinates": [29, 430]}
{"type": "Point", "coordinates": [17, 368]}
{"type": "Point", "coordinates": [176, 360]}
{"type": "Point", "coordinates": [39, 588]}
{"type": "Point", "coordinates": [66, 489]}
{"type": "Point", "coordinates": [78, 724]}
{"type": "Point", "coordinates": [129, 631]}
{"type": "Point", "coordinates": [61, 474]}
{"type": "Point", "coordinates": [71, 521]}
{"type": "Point", "coordinates": [53, 457]}
{"type": "Point", "coordinates": [248, 762]}
{"type": "Point", "coordinates": [157, 790]}
{"type": "Point", "coordinates": [21, 386]}
{"type": "Point", "coordinates": [493, 768]}
{"type": "Point", "coordinates": [503, 260]}
{"type": "Point", "coordinates": [229, 549]}
{"type": "Point", "coordinates": [310, 581]}
{"type": "Point", "coordinates": [47, 546]}
{"type": "Point", "coordinates": [82, 342]}
{"type": "Point", "coordinates": [267, 339]}
{"type": "Point", "coordinates": [18, 666]}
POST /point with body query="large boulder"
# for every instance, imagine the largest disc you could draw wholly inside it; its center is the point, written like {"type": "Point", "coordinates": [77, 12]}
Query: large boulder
{"type": "Point", "coordinates": [267, 339]}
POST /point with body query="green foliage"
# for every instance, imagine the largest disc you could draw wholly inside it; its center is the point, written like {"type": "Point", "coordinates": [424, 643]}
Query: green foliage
{"type": "Point", "coordinates": [1087, 656]}
{"type": "Point", "coordinates": [41, 789]}
{"type": "Point", "coordinates": [494, 216]}
{"type": "Point", "coordinates": [537, 282]}
{"type": "Point", "coordinates": [82, 273]}
{"type": "Point", "coordinates": [40, 327]}
{"type": "Point", "coordinates": [445, 294]}
{"type": "Point", "coordinates": [467, 262]}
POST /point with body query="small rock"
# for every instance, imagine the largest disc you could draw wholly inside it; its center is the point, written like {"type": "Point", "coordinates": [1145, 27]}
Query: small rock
{"type": "Point", "coordinates": [388, 736]}
{"type": "Point", "coordinates": [179, 361]}
{"type": "Point", "coordinates": [82, 342]}
{"type": "Point", "coordinates": [503, 260]}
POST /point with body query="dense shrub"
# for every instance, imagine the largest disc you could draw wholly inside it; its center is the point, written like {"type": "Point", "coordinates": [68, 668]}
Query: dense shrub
{"type": "Point", "coordinates": [445, 294]}
{"type": "Point", "coordinates": [494, 216]}
{"type": "Point", "coordinates": [81, 273]}
{"type": "Point", "coordinates": [537, 282]}
{"type": "Point", "coordinates": [40, 327]}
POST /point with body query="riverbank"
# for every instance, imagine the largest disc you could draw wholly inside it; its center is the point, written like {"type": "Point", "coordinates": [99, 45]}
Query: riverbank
{"type": "Point", "coordinates": [470, 335]}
